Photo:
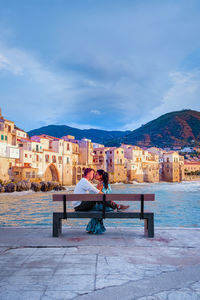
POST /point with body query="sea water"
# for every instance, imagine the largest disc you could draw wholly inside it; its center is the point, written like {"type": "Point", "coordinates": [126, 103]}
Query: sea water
{"type": "Point", "coordinates": [175, 205]}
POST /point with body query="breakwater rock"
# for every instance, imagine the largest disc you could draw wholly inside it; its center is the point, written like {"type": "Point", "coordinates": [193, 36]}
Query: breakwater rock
{"type": "Point", "coordinates": [26, 185]}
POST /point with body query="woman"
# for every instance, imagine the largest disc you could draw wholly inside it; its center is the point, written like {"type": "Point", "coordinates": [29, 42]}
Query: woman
{"type": "Point", "coordinates": [96, 226]}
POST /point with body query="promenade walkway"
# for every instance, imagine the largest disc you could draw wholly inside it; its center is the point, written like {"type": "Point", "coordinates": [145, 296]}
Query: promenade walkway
{"type": "Point", "coordinates": [120, 264]}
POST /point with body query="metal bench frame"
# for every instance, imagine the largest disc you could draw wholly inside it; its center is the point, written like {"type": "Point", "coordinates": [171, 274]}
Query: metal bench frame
{"type": "Point", "coordinates": [148, 217]}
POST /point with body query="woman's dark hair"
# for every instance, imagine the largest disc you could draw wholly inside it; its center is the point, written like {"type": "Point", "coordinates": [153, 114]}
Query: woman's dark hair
{"type": "Point", "coordinates": [105, 177]}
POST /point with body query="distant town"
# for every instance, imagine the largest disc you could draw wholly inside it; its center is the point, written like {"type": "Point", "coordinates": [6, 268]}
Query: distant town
{"type": "Point", "coordinates": [63, 160]}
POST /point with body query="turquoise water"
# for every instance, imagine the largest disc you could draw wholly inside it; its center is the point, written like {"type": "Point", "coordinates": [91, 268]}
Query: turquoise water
{"type": "Point", "coordinates": [176, 205]}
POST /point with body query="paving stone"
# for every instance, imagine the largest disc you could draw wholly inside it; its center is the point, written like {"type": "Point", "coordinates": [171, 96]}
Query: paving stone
{"type": "Point", "coordinates": [75, 269]}
{"type": "Point", "coordinates": [43, 261]}
{"type": "Point", "coordinates": [50, 251]}
{"type": "Point", "coordinates": [79, 259]}
{"type": "Point", "coordinates": [21, 252]}
{"type": "Point", "coordinates": [61, 295]}
{"type": "Point", "coordinates": [20, 295]}
{"type": "Point", "coordinates": [12, 260]}
{"type": "Point", "coordinates": [65, 267]}
{"type": "Point", "coordinates": [26, 271]}
{"type": "Point", "coordinates": [103, 281]}
{"type": "Point", "coordinates": [26, 280]}
{"type": "Point", "coordinates": [71, 283]}
{"type": "Point", "coordinates": [183, 295]}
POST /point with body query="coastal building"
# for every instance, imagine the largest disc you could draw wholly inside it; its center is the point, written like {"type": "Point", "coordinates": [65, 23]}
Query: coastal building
{"type": "Point", "coordinates": [115, 164]}
{"type": "Point", "coordinates": [171, 167]}
{"type": "Point", "coordinates": [48, 158]}
{"type": "Point", "coordinates": [7, 132]}
{"type": "Point", "coordinates": [191, 170]}
{"type": "Point", "coordinates": [99, 158]}
{"type": "Point", "coordinates": [142, 166]}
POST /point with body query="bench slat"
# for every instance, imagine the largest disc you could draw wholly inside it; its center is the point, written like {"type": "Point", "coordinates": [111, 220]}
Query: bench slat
{"type": "Point", "coordinates": [78, 197]}
{"type": "Point", "coordinates": [99, 197]}
{"type": "Point", "coordinates": [108, 215]}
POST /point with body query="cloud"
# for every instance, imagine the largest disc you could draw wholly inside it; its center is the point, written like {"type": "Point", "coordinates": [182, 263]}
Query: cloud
{"type": "Point", "coordinates": [132, 65]}
{"type": "Point", "coordinates": [183, 93]}
{"type": "Point", "coordinates": [95, 112]}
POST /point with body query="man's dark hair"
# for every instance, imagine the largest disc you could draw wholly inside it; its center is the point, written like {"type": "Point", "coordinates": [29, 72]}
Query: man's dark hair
{"type": "Point", "coordinates": [87, 170]}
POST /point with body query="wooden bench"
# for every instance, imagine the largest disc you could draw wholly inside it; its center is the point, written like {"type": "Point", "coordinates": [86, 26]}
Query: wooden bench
{"type": "Point", "coordinates": [148, 217]}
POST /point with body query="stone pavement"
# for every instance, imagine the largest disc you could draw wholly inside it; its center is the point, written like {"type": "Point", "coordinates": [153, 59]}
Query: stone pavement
{"type": "Point", "coordinates": [120, 264]}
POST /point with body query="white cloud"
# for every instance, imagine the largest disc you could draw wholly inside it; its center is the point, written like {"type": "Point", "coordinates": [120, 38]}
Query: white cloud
{"type": "Point", "coordinates": [182, 94]}
{"type": "Point", "coordinates": [82, 126]}
{"type": "Point", "coordinates": [95, 112]}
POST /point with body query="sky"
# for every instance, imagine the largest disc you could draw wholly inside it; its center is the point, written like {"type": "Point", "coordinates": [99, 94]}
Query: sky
{"type": "Point", "coordinates": [106, 64]}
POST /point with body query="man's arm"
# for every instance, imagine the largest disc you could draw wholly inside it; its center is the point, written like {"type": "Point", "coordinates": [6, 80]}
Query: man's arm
{"type": "Point", "coordinates": [93, 189]}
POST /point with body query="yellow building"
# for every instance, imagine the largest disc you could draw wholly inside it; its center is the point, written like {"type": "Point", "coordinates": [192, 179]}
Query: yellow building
{"type": "Point", "coordinates": [115, 164]}
{"type": "Point", "coordinates": [171, 167]}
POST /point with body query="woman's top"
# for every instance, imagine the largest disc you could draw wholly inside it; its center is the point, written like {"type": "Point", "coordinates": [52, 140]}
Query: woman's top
{"type": "Point", "coordinates": [108, 190]}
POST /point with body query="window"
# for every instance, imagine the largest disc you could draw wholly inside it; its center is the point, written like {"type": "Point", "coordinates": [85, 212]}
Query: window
{"type": "Point", "coordinates": [67, 160]}
{"type": "Point", "coordinates": [100, 152]}
{"type": "Point", "coordinates": [95, 152]}
{"type": "Point", "coordinates": [26, 155]}
{"type": "Point", "coordinates": [6, 138]}
{"type": "Point", "coordinates": [122, 152]}
{"type": "Point", "coordinates": [37, 148]}
{"type": "Point", "coordinates": [2, 137]}
{"type": "Point", "coordinates": [67, 146]}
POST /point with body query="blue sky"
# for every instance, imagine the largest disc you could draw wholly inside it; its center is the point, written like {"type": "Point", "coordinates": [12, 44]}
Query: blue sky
{"type": "Point", "coordinates": [105, 64]}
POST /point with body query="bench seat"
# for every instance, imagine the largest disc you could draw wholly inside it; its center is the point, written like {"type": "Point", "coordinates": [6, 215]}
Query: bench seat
{"type": "Point", "coordinates": [147, 216]}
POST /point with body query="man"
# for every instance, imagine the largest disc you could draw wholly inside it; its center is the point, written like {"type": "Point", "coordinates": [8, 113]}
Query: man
{"type": "Point", "coordinates": [85, 187]}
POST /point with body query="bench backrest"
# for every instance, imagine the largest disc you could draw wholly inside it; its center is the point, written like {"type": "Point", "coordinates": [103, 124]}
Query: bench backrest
{"type": "Point", "coordinates": [101, 197]}
{"type": "Point", "coordinates": [104, 198]}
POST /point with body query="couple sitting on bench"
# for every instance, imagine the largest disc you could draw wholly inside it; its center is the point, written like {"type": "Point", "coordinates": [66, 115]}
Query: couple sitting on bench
{"type": "Point", "coordinates": [84, 186]}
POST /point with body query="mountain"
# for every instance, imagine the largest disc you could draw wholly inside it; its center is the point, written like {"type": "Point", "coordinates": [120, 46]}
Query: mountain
{"type": "Point", "coordinates": [179, 128]}
{"type": "Point", "coordinates": [96, 135]}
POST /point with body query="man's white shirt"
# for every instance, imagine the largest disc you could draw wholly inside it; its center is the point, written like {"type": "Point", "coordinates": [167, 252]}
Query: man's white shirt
{"type": "Point", "coordinates": [84, 187]}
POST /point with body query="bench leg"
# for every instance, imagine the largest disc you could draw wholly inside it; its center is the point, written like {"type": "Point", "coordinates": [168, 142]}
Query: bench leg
{"type": "Point", "coordinates": [57, 225]}
{"type": "Point", "coordinates": [149, 226]}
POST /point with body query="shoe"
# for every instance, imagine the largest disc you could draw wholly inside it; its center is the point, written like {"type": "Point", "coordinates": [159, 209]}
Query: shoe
{"type": "Point", "coordinates": [121, 207]}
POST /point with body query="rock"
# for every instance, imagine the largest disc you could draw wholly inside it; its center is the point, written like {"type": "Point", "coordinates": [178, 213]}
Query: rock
{"type": "Point", "coordinates": [36, 187]}
{"type": "Point", "coordinates": [51, 185]}
{"type": "Point", "coordinates": [2, 188]}
{"type": "Point", "coordinates": [10, 188]}
{"type": "Point", "coordinates": [59, 187]}
{"type": "Point", "coordinates": [44, 186]}
{"type": "Point", "coordinates": [23, 185]}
